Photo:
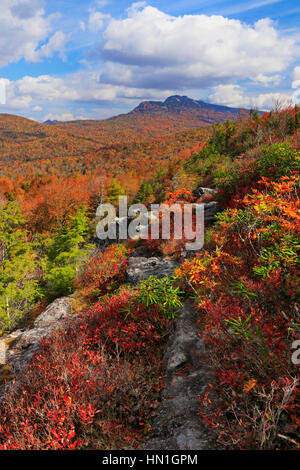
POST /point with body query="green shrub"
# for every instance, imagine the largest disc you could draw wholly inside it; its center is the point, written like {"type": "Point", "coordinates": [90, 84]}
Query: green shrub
{"type": "Point", "coordinates": [277, 160]}
{"type": "Point", "coordinates": [160, 292]}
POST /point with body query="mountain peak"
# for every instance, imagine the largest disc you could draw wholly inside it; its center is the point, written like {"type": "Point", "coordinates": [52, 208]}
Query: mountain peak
{"type": "Point", "coordinates": [182, 104]}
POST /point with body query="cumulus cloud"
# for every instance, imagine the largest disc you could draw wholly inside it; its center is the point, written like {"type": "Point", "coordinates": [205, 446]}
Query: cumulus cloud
{"type": "Point", "coordinates": [229, 95]}
{"type": "Point", "coordinates": [60, 117]}
{"type": "Point", "coordinates": [97, 21]}
{"type": "Point", "coordinates": [148, 55]}
{"type": "Point", "coordinates": [296, 73]}
{"type": "Point", "coordinates": [191, 51]}
{"type": "Point", "coordinates": [236, 96]}
{"type": "Point", "coordinates": [82, 87]}
{"type": "Point", "coordinates": [24, 27]}
{"type": "Point", "coordinates": [55, 43]}
{"type": "Point", "coordinates": [266, 81]}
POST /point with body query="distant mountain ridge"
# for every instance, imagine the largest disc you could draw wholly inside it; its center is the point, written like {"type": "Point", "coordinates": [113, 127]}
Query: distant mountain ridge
{"type": "Point", "coordinates": [179, 103]}
{"type": "Point", "coordinates": [24, 140]}
{"type": "Point", "coordinates": [194, 112]}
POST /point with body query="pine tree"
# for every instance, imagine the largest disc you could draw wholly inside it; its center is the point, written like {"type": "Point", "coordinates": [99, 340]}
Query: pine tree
{"type": "Point", "coordinates": [66, 254]}
{"type": "Point", "coordinates": [114, 191]}
{"type": "Point", "coordinates": [144, 194]}
{"type": "Point", "coordinates": [18, 268]}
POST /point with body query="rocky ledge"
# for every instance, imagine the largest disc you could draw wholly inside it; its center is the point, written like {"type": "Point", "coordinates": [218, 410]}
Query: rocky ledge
{"type": "Point", "coordinates": [18, 348]}
{"type": "Point", "coordinates": [177, 424]}
{"type": "Point", "coordinates": [140, 268]}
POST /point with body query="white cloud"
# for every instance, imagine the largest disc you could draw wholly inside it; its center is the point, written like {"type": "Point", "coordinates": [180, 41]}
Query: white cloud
{"type": "Point", "coordinates": [236, 96]}
{"type": "Point", "coordinates": [149, 55]}
{"type": "Point", "coordinates": [24, 27]}
{"type": "Point", "coordinates": [191, 51]}
{"type": "Point", "coordinates": [268, 100]}
{"type": "Point", "coordinates": [55, 43]}
{"type": "Point", "coordinates": [97, 21]}
{"type": "Point", "coordinates": [296, 73]}
{"type": "Point", "coordinates": [82, 26]}
{"type": "Point", "coordinates": [83, 87]}
{"type": "Point", "coordinates": [229, 95]}
{"type": "Point", "coordinates": [60, 117]}
{"type": "Point", "coordinates": [268, 80]}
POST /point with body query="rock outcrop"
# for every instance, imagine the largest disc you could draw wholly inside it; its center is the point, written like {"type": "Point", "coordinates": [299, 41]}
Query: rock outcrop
{"type": "Point", "coordinates": [206, 192]}
{"type": "Point", "coordinates": [140, 268]}
{"type": "Point", "coordinates": [210, 211]}
{"type": "Point", "coordinates": [177, 424]}
{"type": "Point", "coordinates": [18, 348]}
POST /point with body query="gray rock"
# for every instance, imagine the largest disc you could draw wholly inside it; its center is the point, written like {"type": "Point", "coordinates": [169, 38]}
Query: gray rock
{"type": "Point", "coordinates": [177, 424]}
{"type": "Point", "coordinates": [57, 311]}
{"type": "Point", "coordinates": [5, 344]}
{"type": "Point", "coordinates": [210, 210]}
{"type": "Point", "coordinates": [140, 268]}
{"type": "Point", "coordinates": [17, 349]}
{"type": "Point", "coordinates": [200, 192]}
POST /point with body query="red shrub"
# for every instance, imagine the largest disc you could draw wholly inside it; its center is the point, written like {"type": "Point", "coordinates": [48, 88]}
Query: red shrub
{"type": "Point", "coordinates": [80, 390]}
{"type": "Point", "coordinates": [247, 292]}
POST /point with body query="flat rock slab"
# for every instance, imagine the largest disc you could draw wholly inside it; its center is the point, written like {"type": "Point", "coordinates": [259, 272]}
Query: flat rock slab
{"type": "Point", "coordinates": [177, 424]}
{"type": "Point", "coordinates": [140, 268]}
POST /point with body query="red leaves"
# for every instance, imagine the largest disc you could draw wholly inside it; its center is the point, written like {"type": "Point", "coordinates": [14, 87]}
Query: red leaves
{"type": "Point", "coordinates": [247, 287]}
{"type": "Point", "coordinates": [103, 272]}
{"type": "Point", "coordinates": [81, 376]}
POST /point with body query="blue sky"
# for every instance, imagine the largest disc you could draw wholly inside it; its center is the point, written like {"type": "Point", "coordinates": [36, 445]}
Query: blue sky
{"type": "Point", "coordinates": [68, 59]}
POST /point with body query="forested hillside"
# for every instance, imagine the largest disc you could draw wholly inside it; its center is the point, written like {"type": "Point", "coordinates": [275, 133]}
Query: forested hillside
{"type": "Point", "coordinates": [27, 147]}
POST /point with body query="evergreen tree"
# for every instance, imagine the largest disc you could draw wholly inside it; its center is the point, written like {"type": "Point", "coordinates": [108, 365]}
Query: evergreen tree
{"type": "Point", "coordinates": [144, 194]}
{"type": "Point", "coordinates": [18, 268]}
{"type": "Point", "coordinates": [66, 254]}
{"type": "Point", "coordinates": [114, 191]}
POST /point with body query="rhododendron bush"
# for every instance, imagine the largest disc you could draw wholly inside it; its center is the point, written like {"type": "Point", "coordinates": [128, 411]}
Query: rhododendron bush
{"type": "Point", "coordinates": [247, 293]}
{"type": "Point", "coordinates": [92, 385]}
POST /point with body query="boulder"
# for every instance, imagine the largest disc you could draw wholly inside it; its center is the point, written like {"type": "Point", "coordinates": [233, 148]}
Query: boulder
{"type": "Point", "coordinates": [5, 344]}
{"type": "Point", "coordinates": [210, 210]}
{"type": "Point", "coordinates": [54, 313]}
{"type": "Point", "coordinates": [140, 268]}
{"type": "Point", "coordinates": [205, 192]}
{"type": "Point", "coordinates": [17, 349]}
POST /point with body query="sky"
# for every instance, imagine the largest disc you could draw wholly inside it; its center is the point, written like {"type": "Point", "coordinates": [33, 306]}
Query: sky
{"type": "Point", "coordinates": [74, 59]}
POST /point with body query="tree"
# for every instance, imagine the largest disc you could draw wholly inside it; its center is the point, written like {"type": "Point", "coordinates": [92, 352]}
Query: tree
{"type": "Point", "coordinates": [66, 254]}
{"type": "Point", "coordinates": [114, 191]}
{"type": "Point", "coordinates": [144, 194]}
{"type": "Point", "coordinates": [18, 270]}
{"type": "Point", "coordinates": [254, 113]}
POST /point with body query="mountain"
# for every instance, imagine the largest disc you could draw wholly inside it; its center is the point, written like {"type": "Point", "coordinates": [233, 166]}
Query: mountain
{"type": "Point", "coordinates": [181, 104]}
{"type": "Point", "coordinates": [153, 119]}
{"type": "Point", "coordinates": [51, 122]}
{"type": "Point", "coordinates": [67, 145]}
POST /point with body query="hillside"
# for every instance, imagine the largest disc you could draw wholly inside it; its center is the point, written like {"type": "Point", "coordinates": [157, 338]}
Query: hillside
{"type": "Point", "coordinates": [152, 119]}
{"type": "Point", "coordinates": [147, 132]}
